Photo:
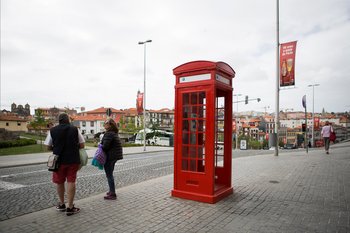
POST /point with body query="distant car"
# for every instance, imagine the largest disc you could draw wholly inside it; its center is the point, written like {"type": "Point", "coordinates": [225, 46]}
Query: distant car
{"type": "Point", "coordinates": [290, 146]}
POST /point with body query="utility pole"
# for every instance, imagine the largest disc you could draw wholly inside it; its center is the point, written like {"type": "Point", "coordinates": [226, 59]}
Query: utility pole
{"type": "Point", "coordinates": [313, 113]}
{"type": "Point", "coordinates": [237, 128]}
{"type": "Point", "coordinates": [277, 78]}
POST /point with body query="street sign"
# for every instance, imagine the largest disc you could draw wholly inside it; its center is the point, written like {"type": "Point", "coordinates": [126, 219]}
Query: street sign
{"type": "Point", "coordinates": [243, 145]}
{"type": "Point", "coordinates": [304, 101]}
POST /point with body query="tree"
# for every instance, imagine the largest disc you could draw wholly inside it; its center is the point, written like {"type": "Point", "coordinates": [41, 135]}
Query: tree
{"type": "Point", "coordinates": [39, 123]}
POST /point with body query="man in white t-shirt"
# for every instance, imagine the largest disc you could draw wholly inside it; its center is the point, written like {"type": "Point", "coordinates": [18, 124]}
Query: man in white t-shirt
{"type": "Point", "coordinates": [325, 133]}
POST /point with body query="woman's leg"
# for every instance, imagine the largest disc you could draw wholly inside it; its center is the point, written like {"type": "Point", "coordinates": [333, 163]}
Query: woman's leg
{"type": "Point", "coordinates": [109, 168]}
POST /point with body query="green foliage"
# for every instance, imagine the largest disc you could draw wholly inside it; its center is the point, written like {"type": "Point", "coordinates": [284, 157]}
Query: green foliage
{"type": "Point", "coordinates": [281, 144]}
{"type": "Point", "coordinates": [265, 144]}
{"type": "Point", "coordinates": [254, 144]}
{"type": "Point", "coordinates": [17, 142]}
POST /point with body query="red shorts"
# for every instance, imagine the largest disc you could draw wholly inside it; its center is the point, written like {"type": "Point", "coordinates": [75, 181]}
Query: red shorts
{"type": "Point", "coordinates": [65, 172]}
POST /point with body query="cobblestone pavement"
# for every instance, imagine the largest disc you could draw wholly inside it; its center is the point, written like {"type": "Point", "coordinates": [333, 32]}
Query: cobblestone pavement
{"type": "Point", "coordinates": [293, 192]}
{"type": "Point", "coordinates": [29, 188]}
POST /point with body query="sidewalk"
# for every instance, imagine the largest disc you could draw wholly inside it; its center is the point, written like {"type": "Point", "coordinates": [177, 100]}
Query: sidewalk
{"type": "Point", "coordinates": [38, 158]}
{"type": "Point", "coordinates": [294, 192]}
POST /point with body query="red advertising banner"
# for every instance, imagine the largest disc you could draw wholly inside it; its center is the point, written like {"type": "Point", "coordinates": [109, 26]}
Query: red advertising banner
{"type": "Point", "coordinates": [234, 126]}
{"type": "Point", "coordinates": [139, 103]}
{"type": "Point", "coordinates": [287, 64]}
{"type": "Point", "coordinates": [316, 123]}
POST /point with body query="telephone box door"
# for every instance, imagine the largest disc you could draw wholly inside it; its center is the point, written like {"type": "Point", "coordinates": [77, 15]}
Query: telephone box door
{"type": "Point", "coordinates": [194, 172]}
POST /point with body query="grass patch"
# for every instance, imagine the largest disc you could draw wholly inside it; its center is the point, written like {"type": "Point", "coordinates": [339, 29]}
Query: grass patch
{"type": "Point", "coordinates": [34, 136]}
{"type": "Point", "coordinates": [37, 148]}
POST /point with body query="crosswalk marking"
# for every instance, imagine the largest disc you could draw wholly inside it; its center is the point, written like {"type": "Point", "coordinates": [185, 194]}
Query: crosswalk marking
{"type": "Point", "coordinates": [7, 185]}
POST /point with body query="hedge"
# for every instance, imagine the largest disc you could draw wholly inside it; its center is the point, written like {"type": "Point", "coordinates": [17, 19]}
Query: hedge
{"type": "Point", "coordinates": [17, 142]}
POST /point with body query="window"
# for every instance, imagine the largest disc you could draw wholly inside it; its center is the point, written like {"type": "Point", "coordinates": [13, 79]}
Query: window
{"type": "Point", "coordinates": [92, 131]}
{"type": "Point", "coordinates": [18, 123]}
{"type": "Point", "coordinates": [193, 131]}
{"type": "Point", "coordinates": [91, 123]}
{"type": "Point", "coordinates": [7, 124]}
{"type": "Point", "coordinates": [84, 123]}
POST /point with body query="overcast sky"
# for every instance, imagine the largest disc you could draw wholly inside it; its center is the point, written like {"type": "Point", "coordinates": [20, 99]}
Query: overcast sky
{"type": "Point", "coordinates": [73, 53]}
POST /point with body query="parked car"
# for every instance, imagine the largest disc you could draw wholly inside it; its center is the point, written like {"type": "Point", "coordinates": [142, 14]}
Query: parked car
{"type": "Point", "coordinates": [289, 146]}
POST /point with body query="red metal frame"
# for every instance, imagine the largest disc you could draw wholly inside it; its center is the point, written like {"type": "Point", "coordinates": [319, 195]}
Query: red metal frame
{"type": "Point", "coordinates": [203, 131]}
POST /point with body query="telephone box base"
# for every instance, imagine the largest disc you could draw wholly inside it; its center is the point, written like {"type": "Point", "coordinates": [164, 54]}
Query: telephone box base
{"type": "Point", "coordinates": [218, 195]}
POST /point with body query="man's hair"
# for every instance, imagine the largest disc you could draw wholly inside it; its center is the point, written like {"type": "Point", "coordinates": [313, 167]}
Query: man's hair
{"type": "Point", "coordinates": [63, 118]}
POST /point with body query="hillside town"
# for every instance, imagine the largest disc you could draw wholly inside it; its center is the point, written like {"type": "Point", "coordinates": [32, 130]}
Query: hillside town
{"type": "Point", "coordinates": [253, 125]}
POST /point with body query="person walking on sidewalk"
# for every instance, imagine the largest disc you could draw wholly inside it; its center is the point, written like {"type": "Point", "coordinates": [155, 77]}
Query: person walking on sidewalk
{"type": "Point", "coordinates": [65, 140]}
{"type": "Point", "coordinates": [112, 147]}
{"type": "Point", "coordinates": [325, 133]}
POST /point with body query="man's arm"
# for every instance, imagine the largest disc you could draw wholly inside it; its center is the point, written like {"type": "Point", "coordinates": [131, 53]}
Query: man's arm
{"type": "Point", "coordinates": [81, 140]}
{"type": "Point", "coordinates": [48, 141]}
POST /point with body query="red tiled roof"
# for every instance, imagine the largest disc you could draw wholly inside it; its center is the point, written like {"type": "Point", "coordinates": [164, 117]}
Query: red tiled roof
{"type": "Point", "coordinates": [103, 110]}
{"type": "Point", "coordinates": [94, 118]}
{"type": "Point", "coordinates": [89, 118]}
{"type": "Point", "coordinates": [12, 118]}
{"type": "Point", "coordinates": [163, 110]}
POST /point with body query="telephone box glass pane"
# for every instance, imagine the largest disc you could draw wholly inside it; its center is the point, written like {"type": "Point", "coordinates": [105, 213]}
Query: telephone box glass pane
{"type": "Point", "coordinates": [193, 131]}
{"type": "Point", "coordinates": [185, 99]}
{"type": "Point", "coordinates": [185, 151]}
{"type": "Point", "coordinates": [219, 131]}
{"type": "Point", "coordinates": [185, 132]}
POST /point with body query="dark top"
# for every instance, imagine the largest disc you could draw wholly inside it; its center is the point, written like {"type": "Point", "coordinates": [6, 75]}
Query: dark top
{"type": "Point", "coordinates": [112, 146]}
{"type": "Point", "coordinates": [65, 143]}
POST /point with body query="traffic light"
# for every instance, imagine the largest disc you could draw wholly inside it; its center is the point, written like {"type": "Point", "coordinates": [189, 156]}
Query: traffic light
{"type": "Point", "coordinates": [303, 127]}
{"type": "Point", "coordinates": [246, 99]}
{"type": "Point", "coordinates": [109, 112]}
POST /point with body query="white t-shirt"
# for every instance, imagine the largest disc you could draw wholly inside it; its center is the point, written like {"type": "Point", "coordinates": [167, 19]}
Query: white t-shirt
{"type": "Point", "coordinates": [326, 131]}
{"type": "Point", "coordinates": [48, 140]}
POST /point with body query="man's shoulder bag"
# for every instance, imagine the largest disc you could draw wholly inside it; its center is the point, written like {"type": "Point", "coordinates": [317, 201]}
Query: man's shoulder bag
{"type": "Point", "coordinates": [52, 163]}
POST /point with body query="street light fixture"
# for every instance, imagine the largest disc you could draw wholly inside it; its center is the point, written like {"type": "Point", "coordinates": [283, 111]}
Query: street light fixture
{"type": "Point", "coordinates": [144, 92]}
{"type": "Point", "coordinates": [313, 112]}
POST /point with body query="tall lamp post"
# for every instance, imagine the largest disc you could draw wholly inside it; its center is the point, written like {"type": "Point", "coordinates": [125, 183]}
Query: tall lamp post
{"type": "Point", "coordinates": [313, 112]}
{"type": "Point", "coordinates": [237, 128]}
{"type": "Point", "coordinates": [144, 92]}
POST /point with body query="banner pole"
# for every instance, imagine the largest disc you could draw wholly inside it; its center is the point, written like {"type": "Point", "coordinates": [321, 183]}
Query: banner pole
{"type": "Point", "coordinates": [277, 78]}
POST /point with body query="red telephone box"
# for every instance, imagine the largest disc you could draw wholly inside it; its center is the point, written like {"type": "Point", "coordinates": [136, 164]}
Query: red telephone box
{"type": "Point", "coordinates": [203, 131]}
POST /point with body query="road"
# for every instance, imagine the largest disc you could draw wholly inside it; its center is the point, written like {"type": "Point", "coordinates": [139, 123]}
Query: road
{"type": "Point", "coordinates": [26, 189]}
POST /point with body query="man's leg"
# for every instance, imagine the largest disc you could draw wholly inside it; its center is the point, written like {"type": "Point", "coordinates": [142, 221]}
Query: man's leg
{"type": "Point", "coordinates": [70, 193]}
{"type": "Point", "coordinates": [327, 144]}
{"type": "Point", "coordinates": [60, 192]}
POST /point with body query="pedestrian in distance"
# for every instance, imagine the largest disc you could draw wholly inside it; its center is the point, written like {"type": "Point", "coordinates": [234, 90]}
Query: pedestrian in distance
{"type": "Point", "coordinates": [325, 133]}
{"type": "Point", "coordinates": [111, 146]}
{"type": "Point", "coordinates": [65, 140]}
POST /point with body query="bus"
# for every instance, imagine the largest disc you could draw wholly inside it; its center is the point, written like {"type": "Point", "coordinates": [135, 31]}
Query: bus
{"type": "Point", "coordinates": [155, 137]}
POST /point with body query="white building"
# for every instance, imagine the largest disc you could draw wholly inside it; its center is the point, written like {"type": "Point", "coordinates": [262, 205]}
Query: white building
{"type": "Point", "coordinates": [89, 125]}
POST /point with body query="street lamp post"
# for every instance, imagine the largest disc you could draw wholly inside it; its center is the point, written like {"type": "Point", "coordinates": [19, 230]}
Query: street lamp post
{"type": "Point", "coordinates": [237, 128]}
{"type": "Point", "coordinates": [313, 113]}
{"type": "Point", "coordinates": [144, 92]}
